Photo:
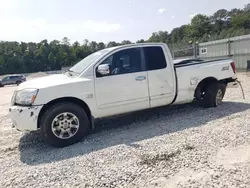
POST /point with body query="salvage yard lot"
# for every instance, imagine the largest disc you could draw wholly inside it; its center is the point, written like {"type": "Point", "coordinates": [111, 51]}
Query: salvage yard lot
{"type": "Point", "coordinates": [180, 146]}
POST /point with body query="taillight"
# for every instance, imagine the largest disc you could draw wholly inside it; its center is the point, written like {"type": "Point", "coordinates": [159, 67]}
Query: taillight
{"type": "Point", "coordinates": [233, 67]}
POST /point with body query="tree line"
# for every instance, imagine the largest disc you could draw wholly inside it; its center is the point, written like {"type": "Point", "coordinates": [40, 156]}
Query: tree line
{"type": "Point", "coordinates": [30, 57]}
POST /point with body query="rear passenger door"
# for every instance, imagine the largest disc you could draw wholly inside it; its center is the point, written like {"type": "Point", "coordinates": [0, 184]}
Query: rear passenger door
{"type": "Point", "coordinates": [161, 78]}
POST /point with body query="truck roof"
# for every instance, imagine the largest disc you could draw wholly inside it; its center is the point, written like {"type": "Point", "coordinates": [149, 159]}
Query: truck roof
{"type": "Point", "coordinates": [137, 44]}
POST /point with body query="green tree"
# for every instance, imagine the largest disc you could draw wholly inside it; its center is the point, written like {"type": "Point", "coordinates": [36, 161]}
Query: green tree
{"type": "Point", "coordinates": [140, 41]}
{"type": "Point", "coordinates": [160, 36]}
{"type": "Point", "coordinates": [2, 64]}
{"type": "Point", "coordinates": [200, 25]}
{"type": "Point", "coordinates": [93, 46]}
{"type": "Point", "coordinates": [124, 42]}
{"type": "Point", "coordinates": [66, 41]}
{"type": "Point", "coordinates": [247, 8]}
{"type": "Point", "coordinates": [234, 12]}
{"type": "Point", "coordinates": [218, 26]}
{"type": "Point", "coordinates": [241, 21]}
{"type": "Point", "coordinates": [220, 14]}
{"type": "Point", "coordinates": [178, 34]}
{"type": "Point", "coordinates": [112, 44]}
{"type": "Point", "coordinates": [100, 46]}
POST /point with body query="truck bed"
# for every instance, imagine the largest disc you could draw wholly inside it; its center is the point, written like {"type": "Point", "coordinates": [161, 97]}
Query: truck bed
{"type": "Point", "coordinates": [189, 75]}
{"type": "Point", "coordinates": [200, 62]}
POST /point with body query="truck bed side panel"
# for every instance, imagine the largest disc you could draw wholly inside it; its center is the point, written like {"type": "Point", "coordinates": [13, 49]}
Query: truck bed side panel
{"type": "Point", "coordinates": [189, 76]}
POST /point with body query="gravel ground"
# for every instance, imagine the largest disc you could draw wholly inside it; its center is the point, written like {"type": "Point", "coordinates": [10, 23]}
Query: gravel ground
{"type": "Point", "coordinates": [180, 146]}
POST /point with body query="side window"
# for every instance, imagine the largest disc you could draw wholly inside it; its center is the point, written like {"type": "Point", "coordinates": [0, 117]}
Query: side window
{"type": "Point", "coordinates": [154, 57]}
{"type": "Point", "coordinates": [6, 78]}
{"type": "Point", "coordinates": [108, 60]}
{"type": "Point", "coordinates": [124, 61]}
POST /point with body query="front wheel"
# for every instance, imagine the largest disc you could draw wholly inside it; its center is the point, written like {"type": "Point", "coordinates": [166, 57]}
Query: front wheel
{"type": "Point", "coordinates": [64, 124]}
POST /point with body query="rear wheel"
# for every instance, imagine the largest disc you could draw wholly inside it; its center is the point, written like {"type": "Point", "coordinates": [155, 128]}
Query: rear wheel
{"type": "Point", "coordinates": [18, 82]}
{"type": "Point", "coordinates": [64, 124]}
{"type": "Point", "coordinates": [213, 95]}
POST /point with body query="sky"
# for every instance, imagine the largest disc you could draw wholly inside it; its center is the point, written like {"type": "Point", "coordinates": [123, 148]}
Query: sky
{"type": "Point", "coordinates": [99, 20]}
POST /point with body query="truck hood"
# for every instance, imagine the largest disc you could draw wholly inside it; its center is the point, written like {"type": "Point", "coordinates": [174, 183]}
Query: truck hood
{"type": "Point", "coordinates": [49, 81]}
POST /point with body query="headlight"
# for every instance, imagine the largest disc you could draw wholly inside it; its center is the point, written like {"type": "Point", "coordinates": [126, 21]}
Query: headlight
{"type": "Point", "coordinates": [25, 97]}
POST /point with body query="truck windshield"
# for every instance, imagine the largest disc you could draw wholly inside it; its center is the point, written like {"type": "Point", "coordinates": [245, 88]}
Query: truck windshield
{"type": "Point", "coordinates": [87, 61]}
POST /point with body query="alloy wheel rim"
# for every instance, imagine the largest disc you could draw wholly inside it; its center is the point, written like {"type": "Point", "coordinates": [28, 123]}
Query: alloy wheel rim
{"type": "Point", "coordinates": [65, 125]}
{"type": "Point", "coordinates": [219, 97]}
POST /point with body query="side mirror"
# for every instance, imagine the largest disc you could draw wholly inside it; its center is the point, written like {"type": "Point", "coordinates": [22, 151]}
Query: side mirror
{"type": "Point", "coordinates": [103, 69]}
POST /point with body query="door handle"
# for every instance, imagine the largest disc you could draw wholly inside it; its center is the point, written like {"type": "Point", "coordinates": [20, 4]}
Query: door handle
{"type": "Point", "coordinates": [140, 78]}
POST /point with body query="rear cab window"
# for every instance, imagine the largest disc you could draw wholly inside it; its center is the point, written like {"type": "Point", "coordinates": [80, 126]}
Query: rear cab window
{"type": "Point", "coordinates": [154, 58]}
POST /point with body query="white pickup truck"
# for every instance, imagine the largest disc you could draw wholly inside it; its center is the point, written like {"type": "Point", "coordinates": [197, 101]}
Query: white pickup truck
{"type": "Point", "coordinates": [115, 81]}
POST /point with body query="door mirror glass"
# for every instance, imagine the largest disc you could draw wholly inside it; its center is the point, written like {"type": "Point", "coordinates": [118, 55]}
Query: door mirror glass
{"type": "Point", "coordinates": [103, 69]}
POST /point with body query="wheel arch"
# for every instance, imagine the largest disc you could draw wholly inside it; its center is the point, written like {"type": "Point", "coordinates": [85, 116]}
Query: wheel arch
{"type": "Point", "coordinates": [67, 99]}
{"type": "Point", "coordinates": [204, 84]}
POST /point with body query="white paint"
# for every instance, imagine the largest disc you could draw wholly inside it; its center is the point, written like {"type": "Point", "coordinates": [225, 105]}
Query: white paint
{"type": "Point", "coordinates": [121, 93]}
{"type": "Point", "coordinates": [162, 83]}
{"type": "Point", "coordinates": [24, 118]}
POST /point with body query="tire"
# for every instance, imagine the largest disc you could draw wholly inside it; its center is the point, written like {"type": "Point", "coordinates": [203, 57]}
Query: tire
{"type": "Point", "coordinates": [214, 95]}
{"type": "Point", "coordinates": [1, 85]}
{"type": "Point", "coordinates": [18, 83]}
{"type": "Point", "coordinates": [48, 121]}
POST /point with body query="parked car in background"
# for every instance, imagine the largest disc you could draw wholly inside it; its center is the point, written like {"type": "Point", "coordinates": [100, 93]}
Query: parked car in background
{"type": "Point", "coordinates": [13, 79]}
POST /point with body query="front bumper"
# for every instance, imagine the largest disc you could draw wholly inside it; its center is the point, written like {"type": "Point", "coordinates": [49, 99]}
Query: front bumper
{"type": "Point", "coordinates": [25, 118]}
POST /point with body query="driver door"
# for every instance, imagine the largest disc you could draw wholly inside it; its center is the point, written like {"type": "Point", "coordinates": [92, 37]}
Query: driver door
{"type": "Point", "coordinates": [125, 87]}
